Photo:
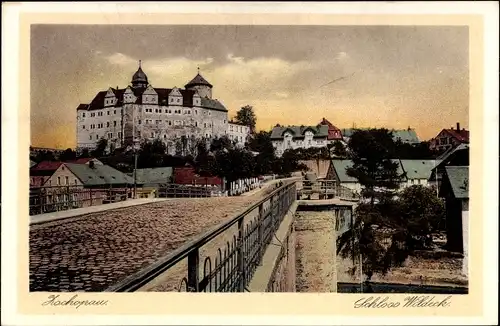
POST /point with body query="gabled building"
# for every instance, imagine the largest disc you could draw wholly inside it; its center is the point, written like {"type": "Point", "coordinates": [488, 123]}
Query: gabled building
{"type": "Point", "coordinates": [334, 133]}
{"type": "Point", "coordinates": [322, 169]}
{"type": "Point", "coordinates": [455, 191]}
{"type": "Point", "coordinates": [153, 176]}
{"type": "Point", "coordinates": [418, 172]}
{"type": "Point", "coordinates": [449, 138]}
{"type": "Point", "coordinates": [41, 172]}
{"type": "Point", "coordinates": [293, 137]}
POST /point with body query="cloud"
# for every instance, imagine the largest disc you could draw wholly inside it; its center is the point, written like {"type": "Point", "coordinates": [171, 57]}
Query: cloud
{"type": "Point", "coordinates": [120, 59]}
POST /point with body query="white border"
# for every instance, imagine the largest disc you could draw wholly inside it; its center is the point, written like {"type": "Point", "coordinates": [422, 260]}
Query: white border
{"type": "Point", "coordinates": [10, 49]}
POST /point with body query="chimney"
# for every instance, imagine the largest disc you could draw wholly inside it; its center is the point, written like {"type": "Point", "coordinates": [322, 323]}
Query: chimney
{"type": "Point", "coordinates": [91, 164]}
{"type": "Point", "coordinates": [458, 126]}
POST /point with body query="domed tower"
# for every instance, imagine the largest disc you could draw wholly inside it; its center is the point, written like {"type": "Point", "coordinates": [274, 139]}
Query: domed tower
{"type": "Point", "coordinates": [139, 80]}
{"type": "Point", "coordinates": [200, 84]}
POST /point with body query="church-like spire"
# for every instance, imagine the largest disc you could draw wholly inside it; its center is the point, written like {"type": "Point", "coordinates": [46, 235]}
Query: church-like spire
{"type": "Point", "coordinates": [139, 79]}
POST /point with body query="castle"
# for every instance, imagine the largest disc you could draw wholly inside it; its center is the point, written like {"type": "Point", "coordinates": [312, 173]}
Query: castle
{"type": "Point", "coordinates": [178, 117]}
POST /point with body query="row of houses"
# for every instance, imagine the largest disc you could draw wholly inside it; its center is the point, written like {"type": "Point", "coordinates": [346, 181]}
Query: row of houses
{"type": "Point", "coordinates": [324, 133]}
{"type": "Point", "coordinates": [449, 174]}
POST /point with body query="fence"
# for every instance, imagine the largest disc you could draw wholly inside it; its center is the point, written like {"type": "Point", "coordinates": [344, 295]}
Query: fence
{"type": "Point", "coordinates": [58, 198]}
{"type": "Point", "coordinates": [235, 263]}
{"type": "Point", "coordinates": [241, 186]}
{"type": "Point", "coordinates": [327, 188]}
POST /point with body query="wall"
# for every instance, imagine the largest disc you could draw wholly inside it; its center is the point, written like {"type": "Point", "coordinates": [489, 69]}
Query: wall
{"type": "Point", "coordinates": [315, 251]}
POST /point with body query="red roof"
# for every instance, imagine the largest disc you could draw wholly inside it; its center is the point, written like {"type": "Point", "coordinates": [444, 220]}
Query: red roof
{"type": "Point", "coordinates": [460, 135]}
{"type": "Point", "coordinates": [333, 132]}
{"type": "Point", "coordinates": [46, 165]}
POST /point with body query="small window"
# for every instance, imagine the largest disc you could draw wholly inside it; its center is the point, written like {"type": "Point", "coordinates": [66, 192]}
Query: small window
{"type": "Point", "coordinates": [114, 123]}
{"type": "Point", "coordinates": [107, 123]}
{"type": "Point", "coordinates": [90, 137]}
{"type": "Point", "coordinates": [83, 127]}
{"type": "Point", "coordinates": [140, 121]}
{"type": "Point", "coordinates": [83, 114]}
{"type": "Point", "coordinates": [108, 112]}
{"type": "Point", "coordinates": [67, 180]}
{"type": "Point", "coordinates": [76, 182]}
{"type": "Point", "coordinates": [114, 112]}
{"type": "Point", "coordinates": [58, 181]}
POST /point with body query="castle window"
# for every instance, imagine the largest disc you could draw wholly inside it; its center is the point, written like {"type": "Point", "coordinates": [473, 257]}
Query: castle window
{"type": "Point", "coordinates": [140, 121]}
{"type": "Point", "coordinates": [152, 135]}
{"type": "Point", "coordinates": [108, 112]}
{"type": "Point", "coordinates": [195, 111]}
{"type": "Point", "coordinates": [110, 135]}
{"type": "Point", "coordinates": [83, 127]}
{"type": "Point", "coordinates": [164, 136]}
{"type": "Point", "coordinates": [170, 123]}
{"type": "Point", "coordinates": [120, 135]}
{"type": "Point", "coordinates": [114, 123]}
{"type": "Point", "coordinates": [107, 123]}
{"type": "Point", "coordinates": [114, 111]}
{"type": "Point", "coordinates": [83, 114]}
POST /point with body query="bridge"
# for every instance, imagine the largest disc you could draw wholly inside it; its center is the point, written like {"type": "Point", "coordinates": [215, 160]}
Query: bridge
{"type": "Point", "coordinates": [135, 246]}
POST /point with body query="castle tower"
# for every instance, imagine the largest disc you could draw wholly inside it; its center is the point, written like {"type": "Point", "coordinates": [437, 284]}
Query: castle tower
{"type": "Point", "coordinates": [139, 80]}
{"type": "Point", "coordinates": [200, 84]}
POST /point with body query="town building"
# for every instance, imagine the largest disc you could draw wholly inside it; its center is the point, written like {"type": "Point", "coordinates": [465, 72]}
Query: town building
{"type": "Point", "coordinates": [127, 116]}
{"type": "Point", "coordinates": [334, 133]}
{"type": "Point", "coordinates": [41, 173]}
{"type": "Point", "coordinates": [457, 156]}
{"type": "Point", "coordinates": [418, 172]}
{"type": "Point", "coordinates": [322, 169]}
{"type": "Point", "coordinates": [449, 138]}
{"type": "Point", "coordinates": [407, 136]}
{"type": "Point", "coordinates": [294, 137]}
{"type": "Point", "coordinates": [455, 191]}
{"type": "Point", "coordinates": [238, 133]}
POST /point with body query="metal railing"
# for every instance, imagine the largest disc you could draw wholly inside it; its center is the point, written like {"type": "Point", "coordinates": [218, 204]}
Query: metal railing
{"type": "Point", "coordinates": [235, 263]}
{"type": "Point", "coordinates": [327, 188]}
{"type": "Point", "coordinates": [58, 198]}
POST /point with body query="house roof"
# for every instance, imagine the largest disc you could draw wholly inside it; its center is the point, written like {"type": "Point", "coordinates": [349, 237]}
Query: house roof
{"type": "Point", "coordinates": [198, 80]}
{"type": "Point", "coordinates": [341, 166]}
{"type": "Point", "coordinates": [333, 132]}
{"type": "Point", "coordinates": [82, 107]}
{"type": "Point", "coordinates": [98, 175]}
{"type": "Point", "coordinates": [459, 180]}
{"type": "Point", "coordinates": [83, 160]}
{"type": "Point", "coordinates": [406, 135]}
{"type": "Point", "coordinates": [418, 169]}
{"type": "Point", "coordinates": [187, 99]}
{"type": "Point", "coordinates": [318, 167]}
{"type": "Point", "coordinates": [449, 154]}
{"type": "Point", "coordinates": [154, 175]}
{"type": "Point", "coordinates": [460, 135]}
{"type": "Point", "coordinates": [45, 168]}
{"type": "Point", "coordinates": [299, 131]}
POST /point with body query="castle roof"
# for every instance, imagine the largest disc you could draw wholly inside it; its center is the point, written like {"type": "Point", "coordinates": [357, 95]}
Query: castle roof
{"type": "Point", "coordinates": [139, 76]}
{"type": "Point", "coordinates": [198, 80]}
{"type": "Point", "coordinates": [187, 99]}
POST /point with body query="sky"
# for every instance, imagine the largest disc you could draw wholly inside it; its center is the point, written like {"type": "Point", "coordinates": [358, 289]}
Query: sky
{"type": "Point", "coordinates": [384, 76]}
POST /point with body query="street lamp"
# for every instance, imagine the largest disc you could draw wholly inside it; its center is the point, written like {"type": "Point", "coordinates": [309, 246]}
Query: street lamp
{"type": "Point", "coordinates": [135, 168]}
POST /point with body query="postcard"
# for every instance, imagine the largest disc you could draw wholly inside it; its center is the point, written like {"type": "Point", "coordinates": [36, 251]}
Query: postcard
{"type": "Point", "coordinates": [239, 163]}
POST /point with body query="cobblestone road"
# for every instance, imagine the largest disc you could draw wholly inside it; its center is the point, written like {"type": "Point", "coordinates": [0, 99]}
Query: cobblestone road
{"type": "Point", "coordinates": [91, 252]}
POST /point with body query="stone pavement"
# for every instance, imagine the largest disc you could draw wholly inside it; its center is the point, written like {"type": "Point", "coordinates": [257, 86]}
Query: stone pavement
{"type": "Point", "coordinates": [93, 251]}
{"type": "Point", "coordinates": [48, 217]}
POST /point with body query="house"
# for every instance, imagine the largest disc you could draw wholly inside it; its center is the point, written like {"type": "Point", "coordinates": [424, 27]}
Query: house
{"type": "Point", "coordinates": [340, 174]}
{"type": "Point", "coordinates": [88, 176]}
{"type": "Point", "coordinates": [449, 138]}
{"type": "Point", "coordinates": [41, 172]}
{"type": "Point", "coordinates": [334, 133]}
{"type": "Point", "coordinates": [408, 136]}
{"type": "Point", "coordinates": [153, 176]}
{"type": "Point", "coordinates": [458, 156]}
{"type": "Point", "coordinates": [321, 168]}
{"type": "Point", "coordinates": [418, 172]}
{"type": "Point", "coordinates": [188, 176]}
{"type": "Point", "coordinates": [455, 191]}
{"type": "Point", "coordinates": [293, 137]}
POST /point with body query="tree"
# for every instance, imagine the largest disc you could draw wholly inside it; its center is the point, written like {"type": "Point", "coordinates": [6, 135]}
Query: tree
{"type": "Point", "coordinates": [84, 153]}
{"type": "Point", "coordinates": [339, 149]}
{"type": "Point", "coordinates": [261, 143]}
{"type": "Point", "coordinates": [371, 152]}
{"type": "Point", "coordinates": [67, 155]}
{"type": "Point", "coordinates": [220, 143]}
{"type": "Point", "coordinates": [45, 156]}
{"type": "Point", "coordinates": [151, 154]}
{"type": "Point", "coordinates": [246, 116]}
{"type": "Point", "coordinates": [100, 150]}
